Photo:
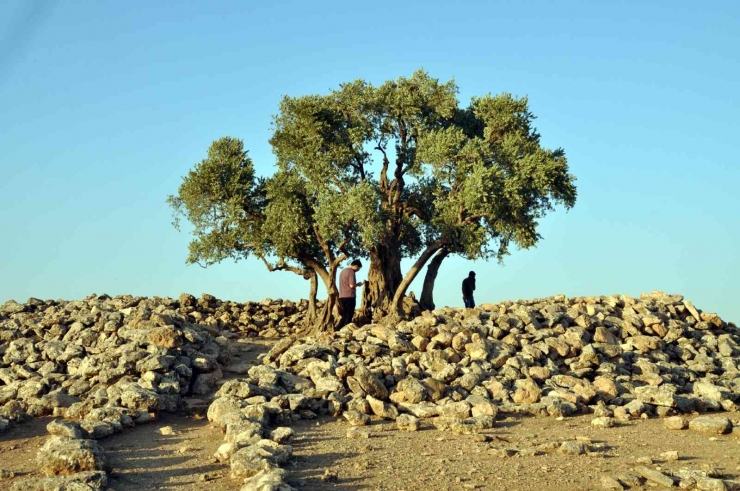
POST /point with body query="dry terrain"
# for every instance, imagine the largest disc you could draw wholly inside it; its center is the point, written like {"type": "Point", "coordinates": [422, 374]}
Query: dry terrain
{"type": "Point", "coordinates": [142, 458]}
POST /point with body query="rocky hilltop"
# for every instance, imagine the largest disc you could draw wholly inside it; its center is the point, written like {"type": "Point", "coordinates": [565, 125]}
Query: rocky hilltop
{"type": "Point", "coordinates": [103, 364]}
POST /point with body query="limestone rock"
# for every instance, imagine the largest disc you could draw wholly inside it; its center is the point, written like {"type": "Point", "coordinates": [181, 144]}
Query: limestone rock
{"type": "Point", "coordinates": [572, 448]}
{"type": "Point", "coordinates": [675, 423]}
{"type": "Point", "coordinates": [166, 337]}
{"type": "Point", "coordinates": [527, 392]}
{"type": "Point", "coordinates": [358, 434]}
{"type": "Point", "coordinates": [370, 384]}
{"type": "Point", "coordinates": [406, 422]}
{"type": "Point", "coordinates": [603, 422]}
{"type": "Point", "coordinates": [269, 480]}
{"type": "Point", "coordinates": [713, 425]}
{"type": "Point", "coordinates": [382, 409]}
{"type": "Point", "coordinates": [610, 483]}
{"type": "Point", "coordinates": [66, 429]}
{"type": "Point", "coordinates": [282, 434]}
{"type": "Point", "coordinates": [409, 390]}
{"type": "Point", "coordinates": [262, 456]}
{"type": "Point", "coordinates": [356, 418]}
{"type": "Point", "coordinates": [82, 481]}
{"type": "Point", "coordinates": [655, 476]}
{"type": "Point", "coordinates": [65, 456]}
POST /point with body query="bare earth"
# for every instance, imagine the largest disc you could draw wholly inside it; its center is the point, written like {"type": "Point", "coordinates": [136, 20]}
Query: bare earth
{"type": "Point", "coordinates": [142, 458]}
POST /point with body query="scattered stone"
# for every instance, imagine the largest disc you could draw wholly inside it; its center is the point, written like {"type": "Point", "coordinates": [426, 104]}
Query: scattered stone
{"type": "Point", "coordinates": [406, 422]}
{"type": "Point", "coordinates": [655, 476]}
{"type": "Point", "coordinates": [676, 423]}
{"type": "Point", "coordinates": [167, 431]}
{"type": "Point", "coordinates": [6, 474]}
{"type": "Point", "coordinates": [267, 480]}
{"type": "Point", "coordinates": [603, 422]}
{"type": "Point", "coordinates": [710, 484]}
{"type": "Point", "coordinates": [572, 448]}
{"type": "Point", "coordinates": [357, 434]}
{"type": "Point", "coordinates": [608, 482]}
{"type": "Point", "coordinates": [669, 456]}
{"type": "Point", "coordinates": [382, 409]}
{"type": "Point", "coordinates": [66, 429]}
{"type": "Point", "coordinates": [81, 481]}
{"type": "Point", "coordinates": [282, 435]}
{"type": "Point", "coordinates": [356, 418]}
{"type": "Point", "coordinates": [262, 456]}
{"type": "Point", "coordinates": [713, 425]}
{"type": "Point", "coordinates": [110, 363]}
{"type": "Point", "coordinates": [65, 456]}
{"type": "Point", "coordinates": [630, 480]}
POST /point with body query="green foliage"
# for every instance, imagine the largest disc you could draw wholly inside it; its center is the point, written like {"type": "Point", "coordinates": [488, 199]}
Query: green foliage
{"type": "Point", "coordinates": [399, 165]}
{"type": "Point", "coordinates": [223, 201]}
{"type": "Point", "coordinates": [494, 179]}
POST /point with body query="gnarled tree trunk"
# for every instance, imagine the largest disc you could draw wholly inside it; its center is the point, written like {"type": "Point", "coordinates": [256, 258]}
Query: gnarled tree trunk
{"type": "Point", "coordinates": [383, 276]}
{"type": "Point", "coordinates": [329, 317]}
{"type": "Point", "coordinates": [426, 302]}
{"type": "Point", "coordinates": [310, 318]}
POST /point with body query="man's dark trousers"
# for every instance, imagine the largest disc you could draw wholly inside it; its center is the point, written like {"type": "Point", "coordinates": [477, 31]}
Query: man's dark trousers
{"type": "Point", "coordinates": [347, 306]}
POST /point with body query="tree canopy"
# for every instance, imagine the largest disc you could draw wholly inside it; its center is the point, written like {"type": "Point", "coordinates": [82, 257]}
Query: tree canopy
{"type": "Point", "coordinates": [385, 173]}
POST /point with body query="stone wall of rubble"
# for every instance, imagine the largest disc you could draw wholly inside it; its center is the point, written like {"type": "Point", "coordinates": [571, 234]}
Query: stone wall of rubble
{"type": "Point", "coordinates": [616, 357]}
{"type": "Point", "coordinates": [107, 363]}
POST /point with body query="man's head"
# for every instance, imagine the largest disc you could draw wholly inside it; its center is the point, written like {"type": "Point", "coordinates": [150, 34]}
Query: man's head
{"type": "Point", "coordinates": [356, 265]}
{"type": "Point", "coordinates": [471, 274]}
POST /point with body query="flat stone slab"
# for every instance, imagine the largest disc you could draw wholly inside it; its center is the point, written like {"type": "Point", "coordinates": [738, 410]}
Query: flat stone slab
{"type": "Point", "coordinates": [714, 425]}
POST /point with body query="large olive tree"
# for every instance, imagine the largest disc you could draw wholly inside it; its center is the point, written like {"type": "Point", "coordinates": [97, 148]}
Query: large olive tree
{"type": "Point", "coordinates": [389, 172]}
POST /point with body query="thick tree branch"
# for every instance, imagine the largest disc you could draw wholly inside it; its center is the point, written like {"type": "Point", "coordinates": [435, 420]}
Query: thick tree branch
{"type": "Point", "coordinates": [409, 210]}
{"type": "Point", "coordinates": [471, 219]}
{"type": "Point", "coordinates": [384, 171]}
{"type": "Point", "coordinates": [281, 265]}
{"type": "Point", "coordinates": [414, 271]}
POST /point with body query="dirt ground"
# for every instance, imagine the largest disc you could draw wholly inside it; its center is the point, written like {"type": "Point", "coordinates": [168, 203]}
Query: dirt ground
{"type": "Point", "coordinates": [143, 458]}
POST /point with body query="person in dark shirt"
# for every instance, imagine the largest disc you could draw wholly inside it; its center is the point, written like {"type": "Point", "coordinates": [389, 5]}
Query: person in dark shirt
{"type": "Point", "coordinates": [348, 292]}
{"type": "Point", "coordinates": [468, 287]}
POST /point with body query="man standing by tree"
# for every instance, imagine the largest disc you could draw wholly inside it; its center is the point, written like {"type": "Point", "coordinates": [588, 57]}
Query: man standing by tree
{"type": "Point", "coordinates": [347, 292]}
{"type": "Point", "coordinates": [468, 287]}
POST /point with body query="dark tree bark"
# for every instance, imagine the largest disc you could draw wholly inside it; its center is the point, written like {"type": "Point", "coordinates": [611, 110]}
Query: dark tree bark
{"type": "Point", "coordinates": [426, 302]}
{"type": "Point", "coordinates": [397, 302]}
{"type": "Point", "coordinates": [311, 312]}
{"type": "Point", "coordinates": [329, 317]}
{"type": "Point", "coordinates": [383, 276]}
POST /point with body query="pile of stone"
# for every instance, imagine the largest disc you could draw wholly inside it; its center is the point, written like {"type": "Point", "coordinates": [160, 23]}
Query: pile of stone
{"type": "Point", "coordinates": [253, 451]}
{"type": "Point", "coordinates": [70, 458]}
{"type": "Point", "coordinates": [56, 354]}
{"type": "Point", "coordinates": [110, 363]}
{"type": "Point", "coordinates": [70, 358]}
{"type": "Point", "coordinates": [270, 318]}
{"type": "Point", "coordinates": [614, 356]}
{"type": "Point", "coordinates": [617, 357]}
{"type": "Point", "coordinates": [107, 362]}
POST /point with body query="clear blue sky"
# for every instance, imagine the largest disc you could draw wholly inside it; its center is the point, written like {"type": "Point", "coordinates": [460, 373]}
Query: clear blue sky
{"type": "Point", "coordinates": [104, 105]}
